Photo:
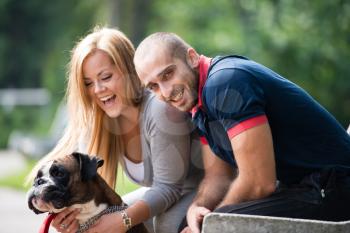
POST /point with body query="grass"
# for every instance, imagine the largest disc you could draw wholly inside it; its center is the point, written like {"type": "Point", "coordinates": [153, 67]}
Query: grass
{"type": "Point", "coordinates": [16, 181]}
{"type": "Point", "coordinates": [124, 185]}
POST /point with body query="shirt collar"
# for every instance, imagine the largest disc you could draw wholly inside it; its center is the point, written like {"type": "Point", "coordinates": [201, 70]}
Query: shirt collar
{"type": "Point", "coordinates": [204, 63]}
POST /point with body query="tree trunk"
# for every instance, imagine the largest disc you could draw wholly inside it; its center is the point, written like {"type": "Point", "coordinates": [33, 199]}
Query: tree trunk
{"type": "Point", "coordinates": [131, 17]}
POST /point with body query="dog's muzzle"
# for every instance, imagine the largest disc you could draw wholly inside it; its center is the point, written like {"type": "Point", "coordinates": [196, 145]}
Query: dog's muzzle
{"type": "Point", "coordinates": [47, 199]}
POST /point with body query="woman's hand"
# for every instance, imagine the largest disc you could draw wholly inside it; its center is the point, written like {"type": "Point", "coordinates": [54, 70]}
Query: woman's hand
{"type": "Point", "coordinates": [65, 221]}
{"type": "Point", "coordinates": [108, 223]}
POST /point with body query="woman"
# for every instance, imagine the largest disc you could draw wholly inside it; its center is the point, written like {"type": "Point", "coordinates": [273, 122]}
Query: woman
{"type": "Point", "coordinates": [112, 116]}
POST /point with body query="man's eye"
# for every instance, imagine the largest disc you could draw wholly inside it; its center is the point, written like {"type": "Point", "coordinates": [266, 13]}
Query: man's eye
{"type": "Point", "coordinates": [153, 87]}
{"type": "Point", "coordinates": [167, 75]}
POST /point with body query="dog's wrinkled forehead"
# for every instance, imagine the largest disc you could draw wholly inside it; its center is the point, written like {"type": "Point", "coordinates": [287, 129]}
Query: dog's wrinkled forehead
{"type": "Point", "coordinates": [69, 163]}
{"type": "Point", "coordinates": [45, 169]}
{"type": "Point", "coordinates": [76, 165]}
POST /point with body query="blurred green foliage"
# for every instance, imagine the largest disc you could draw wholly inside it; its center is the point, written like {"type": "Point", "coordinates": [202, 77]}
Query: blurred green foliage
{"type": "Point", "coordinates": [307, 42]}
{"type": "Point", "coordinates": [35, 42]}
{"type": "Point", "coordinates": [17, 179]}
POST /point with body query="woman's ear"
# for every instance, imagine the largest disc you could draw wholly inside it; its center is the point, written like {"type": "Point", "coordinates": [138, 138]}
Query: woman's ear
{"type": "Point", "coordinates": [192, 58]}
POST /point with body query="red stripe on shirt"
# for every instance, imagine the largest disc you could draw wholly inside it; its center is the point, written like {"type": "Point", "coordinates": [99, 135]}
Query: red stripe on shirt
{"type": "Point", "coordinates": [203, 140]}
{"type": "Point", "coordinates": [247, 124]}
{"type": "Point", "coordinates": [204, 63]}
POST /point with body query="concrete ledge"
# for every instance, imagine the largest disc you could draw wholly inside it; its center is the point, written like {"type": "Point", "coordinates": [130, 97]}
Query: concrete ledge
{"type": "Point", "coordinates": [236, 223]}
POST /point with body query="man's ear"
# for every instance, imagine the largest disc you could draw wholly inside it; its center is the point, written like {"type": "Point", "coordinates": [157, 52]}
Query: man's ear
{"type": "Point", "coordinates": [192, 58]}
{"type": "Point", "coordinates": [88, 165]}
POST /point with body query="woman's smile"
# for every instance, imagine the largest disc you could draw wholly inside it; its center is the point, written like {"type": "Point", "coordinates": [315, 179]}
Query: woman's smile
{"type": "Point", "coordinates": [108, 100]}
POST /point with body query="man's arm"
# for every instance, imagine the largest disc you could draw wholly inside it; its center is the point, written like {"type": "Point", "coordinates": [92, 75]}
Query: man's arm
{"type": "Point", "coordinates": [254, 155]}
{"type": "Point", "coordinates": [256, 176]}
{"type": "Point", "coordinates": [217, 180]}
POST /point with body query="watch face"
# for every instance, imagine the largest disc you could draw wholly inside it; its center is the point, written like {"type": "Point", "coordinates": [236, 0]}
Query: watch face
{"type": "Point", "coordinates": [126, 220]}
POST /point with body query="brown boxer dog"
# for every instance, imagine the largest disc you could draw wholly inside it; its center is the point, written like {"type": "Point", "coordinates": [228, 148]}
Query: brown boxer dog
{"type": "Point", "coordinates": [73, 182]}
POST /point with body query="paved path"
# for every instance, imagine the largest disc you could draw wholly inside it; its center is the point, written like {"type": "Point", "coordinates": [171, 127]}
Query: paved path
{"type": "Point", "coordinates": [15, 216]}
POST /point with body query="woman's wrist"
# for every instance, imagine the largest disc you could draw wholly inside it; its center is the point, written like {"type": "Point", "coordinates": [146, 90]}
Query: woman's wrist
{"type": "Point", "coordinates": [126, 220]}
{"type": "Point", "coordinates": [133, 215]}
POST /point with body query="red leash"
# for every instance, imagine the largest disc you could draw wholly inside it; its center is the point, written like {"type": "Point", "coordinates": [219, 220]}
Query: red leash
{"type": "Point", "coordinates": [46, 224]}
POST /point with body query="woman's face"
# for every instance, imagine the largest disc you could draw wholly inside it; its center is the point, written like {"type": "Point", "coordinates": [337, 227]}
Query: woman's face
{"type": "Point", "coordinates": [104, 83]}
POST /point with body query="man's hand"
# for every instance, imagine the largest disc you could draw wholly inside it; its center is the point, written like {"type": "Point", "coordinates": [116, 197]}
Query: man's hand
{"type": "Point", "coordinates": [186, 230]}
{"type": "Point", "coordinates": [195, 215]}
{"type": "Point", "coordinates": [218, 177]}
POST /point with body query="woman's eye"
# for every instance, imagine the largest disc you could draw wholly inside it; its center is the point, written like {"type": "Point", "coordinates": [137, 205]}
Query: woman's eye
{"type": "Point", "coordinates": [152, 87]}
{"type": "Point", "coordinates": [87, 84]}
{"type": "Point", "coordinates": [106, 78]}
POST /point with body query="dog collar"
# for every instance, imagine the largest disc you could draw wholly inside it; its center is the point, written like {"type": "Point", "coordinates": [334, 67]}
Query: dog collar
{"type": "Point", "coordinates": [112, 209]}
{"type": "Point", "coordinates": [46, 224]}
{"type": "Point", "coordinates": [85, 226]}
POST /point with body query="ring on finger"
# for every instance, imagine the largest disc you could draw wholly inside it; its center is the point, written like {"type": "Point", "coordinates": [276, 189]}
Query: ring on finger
{"type": "Point", "coordinates": [63, 226]}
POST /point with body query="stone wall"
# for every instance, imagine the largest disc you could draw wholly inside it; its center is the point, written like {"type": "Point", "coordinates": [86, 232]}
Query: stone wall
{"type": "Point", "coordinates": [236, 223]}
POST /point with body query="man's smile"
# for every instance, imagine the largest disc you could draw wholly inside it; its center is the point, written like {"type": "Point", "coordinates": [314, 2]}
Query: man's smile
{"type": "Point", "coordinates": [177, 94]}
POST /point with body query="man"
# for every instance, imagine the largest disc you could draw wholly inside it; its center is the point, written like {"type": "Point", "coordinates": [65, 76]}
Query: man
{"type": "Point", "coordinates": [277, 151]}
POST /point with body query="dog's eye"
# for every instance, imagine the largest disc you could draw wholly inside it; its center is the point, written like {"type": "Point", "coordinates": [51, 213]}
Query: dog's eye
{"type": "Point", "coordinates": [55, 172]}
{"type": "Point", "coordinates": [39, 182]}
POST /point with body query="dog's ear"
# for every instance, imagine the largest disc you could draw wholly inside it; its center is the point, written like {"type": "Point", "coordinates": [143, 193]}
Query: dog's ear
{"type": "Point", "coordinates": [88, 165]}
{"type": "Point", "coordinates": [100, 162]}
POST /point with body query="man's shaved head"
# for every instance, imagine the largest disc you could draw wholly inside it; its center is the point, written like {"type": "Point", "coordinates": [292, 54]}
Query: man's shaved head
{"type": "Point", "coordinates": [162, 42]}
{"type": "Point", "coordinates": [168, 66]}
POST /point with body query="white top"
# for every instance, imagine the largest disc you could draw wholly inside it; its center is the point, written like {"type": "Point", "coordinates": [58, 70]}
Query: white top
{"type": "Point", "coordinates": [136, 171]}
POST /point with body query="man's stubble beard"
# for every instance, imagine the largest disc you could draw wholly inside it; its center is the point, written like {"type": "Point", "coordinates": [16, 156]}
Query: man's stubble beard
{"type": "Point", "coordinates": [193, 83]}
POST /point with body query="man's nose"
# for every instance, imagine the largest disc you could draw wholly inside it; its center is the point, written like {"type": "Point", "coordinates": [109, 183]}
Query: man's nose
{"type": "Point", "coordinates": [99, 87]}
{"type": "Point", "coordinates": [165, 90]}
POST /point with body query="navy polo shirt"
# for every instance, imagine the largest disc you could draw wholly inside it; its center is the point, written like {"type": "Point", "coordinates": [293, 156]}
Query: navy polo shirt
{"type": "Point", "coordinates": [236, 94]}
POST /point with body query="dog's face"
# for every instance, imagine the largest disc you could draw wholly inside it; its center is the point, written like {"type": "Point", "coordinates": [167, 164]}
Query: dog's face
{"type": "Point", "coordinates": [62, 183]}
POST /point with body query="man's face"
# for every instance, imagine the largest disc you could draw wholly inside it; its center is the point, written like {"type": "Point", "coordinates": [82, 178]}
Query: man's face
{"type": "Point", "coordinates": [171, 79]}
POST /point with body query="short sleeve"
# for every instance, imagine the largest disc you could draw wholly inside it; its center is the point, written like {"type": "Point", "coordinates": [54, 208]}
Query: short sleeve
{"type": "Point", "coordinates": [235, 98]}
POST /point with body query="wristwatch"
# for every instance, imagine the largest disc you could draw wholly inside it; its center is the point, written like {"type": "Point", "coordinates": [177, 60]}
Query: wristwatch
{"type": "Point", "coordinates": [126, 220]}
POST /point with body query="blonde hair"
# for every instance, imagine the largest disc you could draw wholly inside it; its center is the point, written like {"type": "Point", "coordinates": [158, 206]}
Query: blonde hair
{"type": "Point", "coordinates": [85, 115]}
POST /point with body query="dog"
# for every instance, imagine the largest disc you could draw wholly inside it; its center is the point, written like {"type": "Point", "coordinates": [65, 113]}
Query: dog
{"type": "Point", "coordinates": [73, 182]}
